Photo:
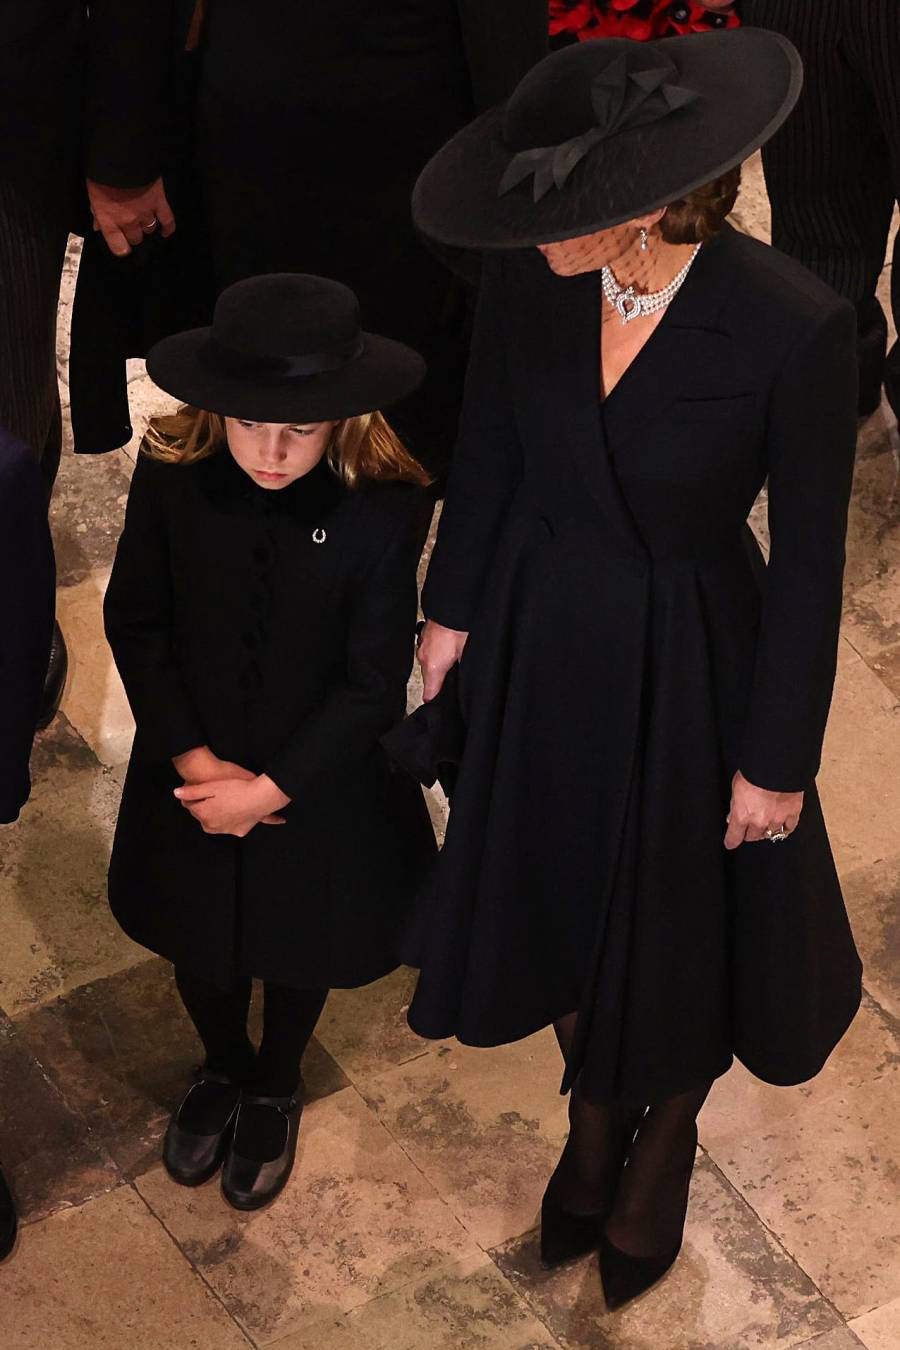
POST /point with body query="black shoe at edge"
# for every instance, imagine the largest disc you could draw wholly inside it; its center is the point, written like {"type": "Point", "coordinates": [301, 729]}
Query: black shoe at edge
{"type": "Point", "coordinates": [55, 683]}
{"type": "Point", "coordinates": [9, 1225]}
{"type": "Point", "coordinates": [565, 1236]}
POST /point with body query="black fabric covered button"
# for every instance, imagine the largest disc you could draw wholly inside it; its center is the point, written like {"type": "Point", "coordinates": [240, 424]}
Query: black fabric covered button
{"type": "Point", "coordinates": [250, 679]}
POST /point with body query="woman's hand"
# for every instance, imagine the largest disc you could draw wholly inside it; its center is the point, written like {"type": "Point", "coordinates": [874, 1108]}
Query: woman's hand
{"type": "Point", "coordinates": [755, 810]}
{"type": "Point", "coordinates": [202, 766]}
{"type": "Point", "coordinates": [718, 6]}
{"type": "Point", "coordinates": [234, 805]}
{"type": "Point", "coordinates": [439, 650]}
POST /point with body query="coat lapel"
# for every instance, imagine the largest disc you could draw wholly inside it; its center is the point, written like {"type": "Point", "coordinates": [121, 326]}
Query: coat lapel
{"type": "Point", "coordinates": [574, 337]}
{"type": "Point", "coordinates": [683, 356]}
{"type": "Point", "coordinates": [558, 328]}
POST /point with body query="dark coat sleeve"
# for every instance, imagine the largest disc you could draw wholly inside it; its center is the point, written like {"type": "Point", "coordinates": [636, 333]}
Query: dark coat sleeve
{"type": "Point", "coordinates": [811, 445]}
{"type": "Point", "coordinates": [503, 40]}
{"type": "Point", "coordinates": [486, 469]}
{"type": "Point", "coordinates": [26, 617]}
{"type": "Point", "coordinates": [372, 695]}
{"type": "Point", "coordinates": [138, 613]}
{"type": "Point", "coordinates": [129, 66]}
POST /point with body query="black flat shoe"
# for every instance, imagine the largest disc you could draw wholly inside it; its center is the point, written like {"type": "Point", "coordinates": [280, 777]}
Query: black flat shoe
{"type": "Point", "coordinates": [9, 1224]}
{"type": "Point", "coordinates": [55, 683]}
{"type": "Point", "coordinates": [191, 1158]}
{"type": "Point", "coordinates": [250, 1183]}
{"type": "Point", "coordinates": [625, 1277]}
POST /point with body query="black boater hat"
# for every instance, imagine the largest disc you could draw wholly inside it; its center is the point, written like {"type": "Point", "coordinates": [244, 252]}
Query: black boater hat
{"type": "Point", "coordinates": [604, 131]}
{"type": "Point", "coordinates": [285, 348]}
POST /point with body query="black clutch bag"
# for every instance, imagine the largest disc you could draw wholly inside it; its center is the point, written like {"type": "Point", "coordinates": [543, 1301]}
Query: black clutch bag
{"type": "Point", "coordinates": [428, 744]}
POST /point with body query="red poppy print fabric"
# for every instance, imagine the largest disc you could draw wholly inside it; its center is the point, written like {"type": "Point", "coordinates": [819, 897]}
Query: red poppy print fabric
{"type": "Point", "coordinates": [638, 19]}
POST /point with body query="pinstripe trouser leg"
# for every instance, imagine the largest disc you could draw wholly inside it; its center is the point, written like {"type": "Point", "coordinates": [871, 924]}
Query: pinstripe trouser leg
{"type": "Point", "coordinates": [833, 171]}
{"type": "Point", "coordinates": [32, 251]}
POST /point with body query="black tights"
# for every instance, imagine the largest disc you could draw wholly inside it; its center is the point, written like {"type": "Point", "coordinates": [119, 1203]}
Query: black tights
{"type": "Point", "coordinates": [643, 1198]}
{"type": "Point", "coordinates": [220, 1016]}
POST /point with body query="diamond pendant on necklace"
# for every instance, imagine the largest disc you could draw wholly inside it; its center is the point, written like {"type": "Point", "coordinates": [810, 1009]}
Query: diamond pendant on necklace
{"type": "Point", "coordinates": [629, 305]}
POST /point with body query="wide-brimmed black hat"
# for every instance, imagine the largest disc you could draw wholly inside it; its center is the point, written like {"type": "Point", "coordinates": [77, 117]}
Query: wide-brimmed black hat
{"type": "Point", "coordinates": [285, 348]}
{"type": "Point", "coordinates": [604, 131]}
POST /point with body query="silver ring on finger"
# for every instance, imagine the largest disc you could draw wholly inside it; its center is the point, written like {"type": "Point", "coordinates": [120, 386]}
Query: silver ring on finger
{"type": "Point", "coordinates": [150, 226]}
{"type": "Point", "coordinates": [777, 836]}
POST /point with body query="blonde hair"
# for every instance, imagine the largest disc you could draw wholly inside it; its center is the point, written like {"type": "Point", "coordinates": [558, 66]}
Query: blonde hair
{"type": "Point", "coordinates": [363, 447]}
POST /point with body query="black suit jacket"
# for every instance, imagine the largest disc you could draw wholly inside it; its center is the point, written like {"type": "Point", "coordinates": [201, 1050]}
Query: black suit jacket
{"type": "Point", "coordinates": [41, 91]}
{"type": "Point", "coordinates": [130, 125]}
{"type": "Point", "coordinates": [138, 77]}
{"type": "Point", "coordinates": [89, 87]}
{"type": "Point", "coordinates": [104, 82]}
{"type": "Point", "coordinates": [27, 577]}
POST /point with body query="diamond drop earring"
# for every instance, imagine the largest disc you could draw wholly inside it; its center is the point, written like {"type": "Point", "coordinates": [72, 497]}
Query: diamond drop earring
{"type": "Point", "coordinates": [644, 244]}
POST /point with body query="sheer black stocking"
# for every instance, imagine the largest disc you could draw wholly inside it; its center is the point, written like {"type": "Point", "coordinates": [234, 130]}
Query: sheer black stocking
{"type": "Point", "coordinates": [587, 1174]}
{"type": "Point", "coordinates": [648, 1214]}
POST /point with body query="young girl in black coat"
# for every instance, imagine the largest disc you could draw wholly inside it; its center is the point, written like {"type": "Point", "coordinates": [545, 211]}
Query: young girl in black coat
{"type": "Point", "coordinates": [261, 612]}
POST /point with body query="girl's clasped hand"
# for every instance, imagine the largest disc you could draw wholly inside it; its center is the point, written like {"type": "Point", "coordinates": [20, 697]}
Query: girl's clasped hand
{"type": "Point", "coordinates": [225, 798]}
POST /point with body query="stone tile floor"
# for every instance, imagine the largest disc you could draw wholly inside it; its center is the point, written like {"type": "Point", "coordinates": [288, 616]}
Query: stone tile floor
{"type": "Point", "coordinates": [409, 1223]}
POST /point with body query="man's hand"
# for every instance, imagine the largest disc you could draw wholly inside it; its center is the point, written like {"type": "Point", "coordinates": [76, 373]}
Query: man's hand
{"type": "Point", "coordinates": [202, 766]}
{"type": "Point", "coordinates": [233, 805]}
{"type": "Point", "coordinates": [125, 216]}
{"type": "Point", "coordinates": [439, 649]}
{"type": "Point", "coordinates": [754, 811]}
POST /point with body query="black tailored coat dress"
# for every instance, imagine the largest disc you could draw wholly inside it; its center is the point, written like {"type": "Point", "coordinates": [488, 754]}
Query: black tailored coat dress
{"type": "Point", "coordinates": [301, 133]}
{"type": "Point", "coordinates": [232, 627]}
{"type": "Point", "coordinates": [628, 652]}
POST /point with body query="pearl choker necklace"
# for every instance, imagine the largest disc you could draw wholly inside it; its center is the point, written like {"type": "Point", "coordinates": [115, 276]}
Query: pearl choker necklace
{"type": "Point", "coordinates": [629, 305]}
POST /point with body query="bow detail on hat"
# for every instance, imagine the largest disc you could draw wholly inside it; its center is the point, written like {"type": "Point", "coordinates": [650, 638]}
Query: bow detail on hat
{"type": "Point", "coordinates": [621, 99]}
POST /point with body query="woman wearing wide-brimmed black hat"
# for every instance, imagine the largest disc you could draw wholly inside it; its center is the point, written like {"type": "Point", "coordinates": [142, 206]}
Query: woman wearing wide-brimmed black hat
{"type": "Point", "coordinates": [633, 677]}
{"type": "Point", "coordinates": [262, 613]}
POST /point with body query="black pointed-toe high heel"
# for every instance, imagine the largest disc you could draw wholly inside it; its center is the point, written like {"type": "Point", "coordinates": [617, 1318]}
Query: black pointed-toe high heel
{"type": "Point", "coordinates": [625, 1277]}
{"type": "Point", "coordinates": [566, 1236]}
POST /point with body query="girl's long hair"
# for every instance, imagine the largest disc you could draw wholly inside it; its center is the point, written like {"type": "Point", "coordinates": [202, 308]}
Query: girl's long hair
{"type": "Point", "coordinates": [362, 448]}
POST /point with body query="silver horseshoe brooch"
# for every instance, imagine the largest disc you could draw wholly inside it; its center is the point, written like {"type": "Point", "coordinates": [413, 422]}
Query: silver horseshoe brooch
{"type": "Point", "coordinates": [319, 536]}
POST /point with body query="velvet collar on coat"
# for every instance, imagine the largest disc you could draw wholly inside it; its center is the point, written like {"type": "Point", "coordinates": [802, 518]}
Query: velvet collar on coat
{"type": "Point", "coordinates": [309, 499]}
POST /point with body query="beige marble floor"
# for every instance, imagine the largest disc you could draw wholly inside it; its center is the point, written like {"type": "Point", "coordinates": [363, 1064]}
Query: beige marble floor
{"type": "Point", "coordinates": [409, 1223]}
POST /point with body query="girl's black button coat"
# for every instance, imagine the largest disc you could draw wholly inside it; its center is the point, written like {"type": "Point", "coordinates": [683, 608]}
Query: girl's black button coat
{"type": "Point", "coordinates": [232, 627]}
